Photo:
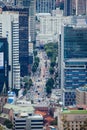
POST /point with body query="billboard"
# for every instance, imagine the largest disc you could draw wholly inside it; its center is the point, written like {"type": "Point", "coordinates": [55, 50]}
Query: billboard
{"type": "Point", "coordinates": [1, 60]}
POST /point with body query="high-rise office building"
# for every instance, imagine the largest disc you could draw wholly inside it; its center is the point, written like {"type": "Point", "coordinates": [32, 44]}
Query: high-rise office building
{"type": "Point", "coordinates": [12, 33]}
{"type": "Point", "coordinates": [69, 7]}
{"type": "Point", "coordinates": [32, 24]}
{"type": "Point", "coordinates": [23, 38]}
{"type": "Point", "coordinates": [73, 58]}
{"type": "Point", "coordinates": [75, 7]}
{"type": "Point", "coordinates": [81, 7]}
{"type": "Point", "coordinates": [3, 64]}
{"type": "Point", "coordinates": [17, 35]}
{"type": "Point", "coordinates": [31, 4]}
{"type": "Point", "coordinates": [45, 6]}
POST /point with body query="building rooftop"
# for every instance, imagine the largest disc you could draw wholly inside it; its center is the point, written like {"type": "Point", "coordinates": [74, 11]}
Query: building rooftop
{"type": "Point", "coordinates": [36, 116]}
{"type": "Point", "coordinates": [84, 88]}
{"type": "Point", "coordinates": [3, 115]}
{"type": "Point", "coordinates": [74, 111]}
{"type": "Point", "coordinates": [17, 108]}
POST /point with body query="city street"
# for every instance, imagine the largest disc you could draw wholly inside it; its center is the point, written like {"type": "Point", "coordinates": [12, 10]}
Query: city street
{"type": "Point", "coordinates": [37, 92]}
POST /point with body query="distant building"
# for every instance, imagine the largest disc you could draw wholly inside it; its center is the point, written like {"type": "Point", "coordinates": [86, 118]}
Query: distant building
{"type": "Point", "coordinates": [32, 23]}
{"type": "Point", "coordinates": [69, 7]}
{"type": "Point", "coordinates": [50, 26]}
{"type": "Point", "coordinates": [81, 7]}
{"type": "Point", "coordinates": [75, 7]}
{"type": "Point", "coordinates": [45, 6]}
{"type": "Point", "coordinates": [81, 95]}
{"type": "Point", "coordinates": [73, 58]}
{"type": "Point", "coordinates": [31, 5]}
{"type": "Point", "coordinates": [4, 65]}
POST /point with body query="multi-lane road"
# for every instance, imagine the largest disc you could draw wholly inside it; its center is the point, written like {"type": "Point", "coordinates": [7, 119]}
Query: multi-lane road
{"type": "Point", "coordinates": [37, 92]}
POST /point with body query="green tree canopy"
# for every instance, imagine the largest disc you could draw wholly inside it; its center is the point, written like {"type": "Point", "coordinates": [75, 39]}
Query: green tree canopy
{"type": "Point", "coordinates": [49, 85]}
{"type": "Point", "coordinates": [34, 68]}
{"type": "Point", "coordinates": [35, 53]}
{"type": "Point", "coordinates": [50, 82]}
{"type": "Point", "coordinates": [53, 63]}
{"type": "Point", "coordinates": [49, 53]}
{"type": "Point", "coordinates": [51, 70]}
{"type": "Point", "coordinates": [51, 50]}
{"type": "Point", "coordinates": [8, 123]}
{"type": "Point", "coordinates": [37, 59]}
{"type": "Point", "coordinates": [48, 89]}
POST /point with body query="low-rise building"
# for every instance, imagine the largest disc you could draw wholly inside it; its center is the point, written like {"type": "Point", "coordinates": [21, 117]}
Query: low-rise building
{"type": "Point", "coordinates": [22, 116]}
{"type": "Point", "coordinates": [71, 119]}
{"type": "Point", "coordinates": [23, 121]}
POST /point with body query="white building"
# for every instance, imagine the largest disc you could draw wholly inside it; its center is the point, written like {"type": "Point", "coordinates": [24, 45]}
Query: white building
{"type": "Point", "coordinates": [23, 117]}
{"type": "Point", "coordinates": [9, 27]}
{"type": "Point", "coordinates": [50, 26]}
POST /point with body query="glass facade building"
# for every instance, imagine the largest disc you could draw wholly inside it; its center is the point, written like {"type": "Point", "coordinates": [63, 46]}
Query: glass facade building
{"type": "Point", "coordinates": [75, 43]}
{"type": "Point", "coordinates": [23, 38]}
{"type": "Point", "coordinates": [73, 60]}
{"type": "Point", "coordinates": [3, 64]}
{"type": "Point", "coordinates": [45, 6]}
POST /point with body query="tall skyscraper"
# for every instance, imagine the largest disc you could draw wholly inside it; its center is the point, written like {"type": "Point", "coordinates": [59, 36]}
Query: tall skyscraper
{"type": "Point", "coordinates": [45, 6]}
{"type": "Point", "coordinates": [17, 35]}
{"type": "Point", "coordinates": [12, 33]}
{"type": "Point", "coordinates": [3, 64]}
{"type": "Point", "coordinates": [73, 58]}
{"type": "Point", "coordinates": [81, 7]}
{"type": "Point", "coordinates": [23, 37]}
{"type": "Point", "coordinates": [75, 7]}
{"type": "Point", "coordinates": [69, 7]}
{"type": "Point", "coordinates": [31, 4]}
{"type": "Point", "coordinates": [32, 24]}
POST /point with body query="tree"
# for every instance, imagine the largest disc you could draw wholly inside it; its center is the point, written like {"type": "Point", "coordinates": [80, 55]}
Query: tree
{"type": "Point", "coordinates": [50, 82]}
{"type": "Point", "coordinates": [35, 52]}
{"type": "Point", "coordinates": [8, 123]}
{"type": "Point", "coordinates": [51, 70]}
{"type": "Point", "coordinates": [48, 89]}
{"type": "Point", "coordinates": [36, 63]}
{"type": "Point", "coordinates": [30, 82]}
{"type": "Point", "coordinates": [49, 85]}
{"type": "Point", "coordinates": [52, 50]}
{"type": "Point", "coordinates": [53, 63]}
{"type": "Point", "coordinates": [37, 59]}
{"type": "Point", "coordinates": [34, 68]}
{"type": "Point", "coordinates": [49, 53]}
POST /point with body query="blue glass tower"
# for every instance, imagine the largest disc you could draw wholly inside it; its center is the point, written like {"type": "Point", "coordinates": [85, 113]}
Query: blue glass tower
{"type": "Point", "coordinates": [73, 59]}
